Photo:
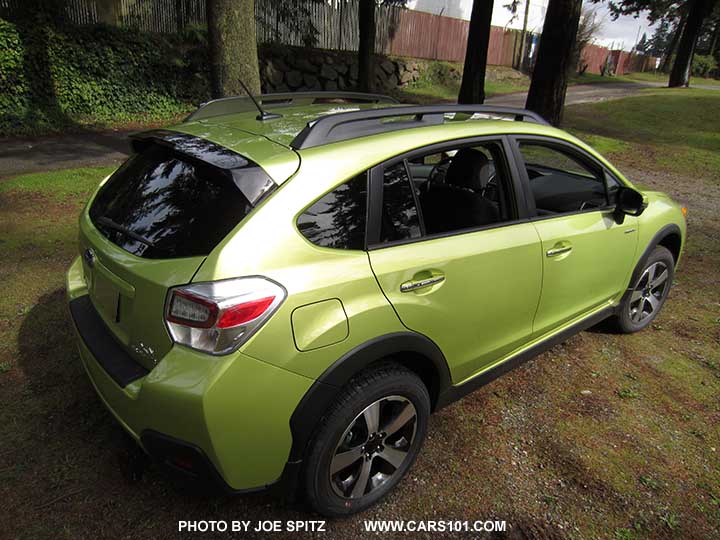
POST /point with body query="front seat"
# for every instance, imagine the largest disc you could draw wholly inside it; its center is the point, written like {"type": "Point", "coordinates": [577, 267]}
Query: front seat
{"type": "Point", "coordinates": [458, 202]}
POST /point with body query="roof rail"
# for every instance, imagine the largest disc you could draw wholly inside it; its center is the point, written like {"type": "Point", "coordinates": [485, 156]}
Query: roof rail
{"type": "Point", "coordinates": [239, 104]}
{"type": "Point", "coordinates": [349, 125]}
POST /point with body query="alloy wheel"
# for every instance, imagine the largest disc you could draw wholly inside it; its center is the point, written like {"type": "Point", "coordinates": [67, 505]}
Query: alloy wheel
{"type": "Point", "coordinates": [649, 293]}
{"type": "Point", "coordinates": [374, 447]}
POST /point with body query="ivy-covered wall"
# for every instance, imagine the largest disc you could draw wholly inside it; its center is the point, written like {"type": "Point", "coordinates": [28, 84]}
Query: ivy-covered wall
{"type": "Point", "coordinates": [58, 78]}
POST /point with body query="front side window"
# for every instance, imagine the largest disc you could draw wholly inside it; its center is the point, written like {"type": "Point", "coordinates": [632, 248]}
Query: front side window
{"type": "Point", "coordinates": [560, 182]}
{"type": "Point", "coordinates": [613, 185]}
{"type": "Point", "coordinates": [337, 220]}
{"type": "Point", "coordinates": [465, 188]}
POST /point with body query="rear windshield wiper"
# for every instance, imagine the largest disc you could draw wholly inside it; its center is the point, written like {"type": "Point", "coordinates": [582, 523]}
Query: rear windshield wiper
{"type": "Point", "coordinates": [110, 224]}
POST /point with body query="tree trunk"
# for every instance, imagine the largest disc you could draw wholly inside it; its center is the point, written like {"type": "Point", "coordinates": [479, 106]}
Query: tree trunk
{"type": "Point", "coordinates": [523, 38]}
{"type": "Point", "coordinates": [714, 41]}
{"type": "Point", "coordinates": [472, 88]}
{"type": "Point", "coordinates": [680, 74]}
{"type": "Point", "coordinates": [554, 59]}
{"type": "Point", "coordinates": [180, 15]}
{"type": "Point", "coordinates": [366, 48]}
{"type": "Point", "coordinates": [665, 65]}
{"type": "Point", "coordinates": [233, 47]}
{"type": "Point", "coordinates": [108, 11]}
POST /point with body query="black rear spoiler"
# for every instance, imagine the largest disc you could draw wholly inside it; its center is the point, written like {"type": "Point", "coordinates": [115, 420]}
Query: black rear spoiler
{"type": "Point", "coordinates": [191, 146]}
{"type": "Point", "coordinates": [256, 184]}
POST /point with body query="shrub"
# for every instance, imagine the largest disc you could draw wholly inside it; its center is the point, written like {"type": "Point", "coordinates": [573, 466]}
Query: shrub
{"type": "Point", "coordinates": [703, 65]}
{"type": "Point", "coordinates": [52, 78]}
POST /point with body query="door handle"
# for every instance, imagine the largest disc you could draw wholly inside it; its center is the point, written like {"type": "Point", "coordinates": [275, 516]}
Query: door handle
{"type": "Point", "coordinates": [409, 286]}
{"type": "Point", "coordinates": [554, 252]}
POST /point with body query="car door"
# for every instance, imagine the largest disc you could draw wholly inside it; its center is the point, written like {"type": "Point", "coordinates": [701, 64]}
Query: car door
{"type": "Point", "coordinates": [456, 270]}
{"type": "Point", "coordinates": [587, 255]}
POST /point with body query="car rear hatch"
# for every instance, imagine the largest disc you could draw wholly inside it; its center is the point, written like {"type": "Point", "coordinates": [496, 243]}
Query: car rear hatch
{"type": "Point", "coordinates": [154, 221]}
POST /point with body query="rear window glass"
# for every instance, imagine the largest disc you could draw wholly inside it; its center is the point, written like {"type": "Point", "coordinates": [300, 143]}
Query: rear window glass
{"type": "Point", "coordinates": [161, 204]}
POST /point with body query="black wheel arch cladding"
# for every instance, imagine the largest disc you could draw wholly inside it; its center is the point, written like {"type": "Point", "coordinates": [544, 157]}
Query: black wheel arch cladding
{"type": "Point", "coordinates": [410, 349]}
{"type": "Point", "coordinates": [667, 234]}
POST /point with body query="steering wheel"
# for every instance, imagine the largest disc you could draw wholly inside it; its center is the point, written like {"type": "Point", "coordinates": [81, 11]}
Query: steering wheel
{"type": "Point", "coordinates": [490, 191]}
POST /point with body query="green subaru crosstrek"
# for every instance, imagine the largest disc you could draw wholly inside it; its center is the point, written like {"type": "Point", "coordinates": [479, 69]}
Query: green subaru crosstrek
{"type": "Point", "coordinates": [282, 299]}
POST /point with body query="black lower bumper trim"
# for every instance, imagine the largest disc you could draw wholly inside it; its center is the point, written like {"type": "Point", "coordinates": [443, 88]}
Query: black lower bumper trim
{"type": "Point", "coordinates": [113, 358]}
{"type": "Point", "coordinates": [187, 463]}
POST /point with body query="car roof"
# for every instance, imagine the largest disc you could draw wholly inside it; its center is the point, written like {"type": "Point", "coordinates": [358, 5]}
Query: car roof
{"type": "Point", "coordinates": [285, 129]}
{"type": "Point", "coordinates": [307, 129]}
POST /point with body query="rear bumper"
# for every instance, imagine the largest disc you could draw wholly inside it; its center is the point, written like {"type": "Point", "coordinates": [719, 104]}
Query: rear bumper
{"type": "Point", "coordinates": [116, 362]}
{"type": "Point", "coordinates": [222, 420]}
{"type": "Point", "coordinates": [186, 463]}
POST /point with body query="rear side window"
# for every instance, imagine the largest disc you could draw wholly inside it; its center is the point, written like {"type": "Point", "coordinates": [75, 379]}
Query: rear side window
{"type": "Point", "coordinates": [337, 220]}
{"type": "Point", "coordinates": [161, 204]}
{"type": "Point", "coordinates": [399, 212]}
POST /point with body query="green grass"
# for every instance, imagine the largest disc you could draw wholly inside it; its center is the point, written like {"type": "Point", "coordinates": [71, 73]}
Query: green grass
{"type": "Point", "coordinates": [440, 82]}
{"type": "Point", "coordinates": [63, 183]}
{"type": "Point", "coordinates": [649, 482]}
{"type": "Point", "coordinates": [670, 129]}
{"type": "Point", "coordinates": [497, 88]}
{"type": "Point", "coordinates": [604, 145]}
{"type": "Point", "coordinates": [623, 533]}
{"type": "Point", "coordinates": [662, 78]}
{"type": "Point", "coordinates": [628, 393]}
{"type": "Point", "coordinates": [640, 77]}
{"type": "Point", "coordinates": [427, 91]}
{"type": "Point", "coordinates": [593, 78]}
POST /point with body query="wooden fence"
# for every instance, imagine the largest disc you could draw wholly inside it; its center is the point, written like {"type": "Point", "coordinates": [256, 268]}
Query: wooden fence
{"type": "Point", "coordinates": [424, 35]}
{"type": "Point", "coordinates": [162, 16]}
{"type": "Point", "coordinates": [620, 62]}
{"type": "Point", "coordinates": [82, 11]}
{"type": "Point", "coordinates": [400, 32]}
{"type": "Point", "coordinates": [595, 58]}
{"type": "Point", "coordinates": [326, 24]}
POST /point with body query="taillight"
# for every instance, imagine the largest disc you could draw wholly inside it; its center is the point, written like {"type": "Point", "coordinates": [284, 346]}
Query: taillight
{"type": "Point", "coordinates": [218, 317]}
{"type": "Point", "coordinates": [245, 312]}
{"type": "Point", "coordinates": [191, 310]}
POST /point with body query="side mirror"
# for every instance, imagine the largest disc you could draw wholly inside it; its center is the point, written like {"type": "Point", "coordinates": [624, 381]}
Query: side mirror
{"type": "Point", "coordinates": [628, 202]}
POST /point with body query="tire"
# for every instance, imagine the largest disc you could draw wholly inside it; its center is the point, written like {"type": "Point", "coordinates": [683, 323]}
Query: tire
{"type": "Point", "coordinates": [351, 464]}
{"type": "Point", "coordinates": [642, 303]}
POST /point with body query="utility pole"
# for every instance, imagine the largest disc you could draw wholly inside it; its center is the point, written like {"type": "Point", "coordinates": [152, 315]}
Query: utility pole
{"type": "Point", "coordinates": [437, 33]}
{"type": "Point", "coordinates": [637, 40]}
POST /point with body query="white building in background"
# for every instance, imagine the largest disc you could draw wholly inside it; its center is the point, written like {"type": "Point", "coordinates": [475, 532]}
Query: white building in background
{"type": "Point", "coordinates": [502, 16]}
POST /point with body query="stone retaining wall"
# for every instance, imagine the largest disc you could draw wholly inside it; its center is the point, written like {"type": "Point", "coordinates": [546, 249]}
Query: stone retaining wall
{"type": "Point", "coordinates": [284, 69]}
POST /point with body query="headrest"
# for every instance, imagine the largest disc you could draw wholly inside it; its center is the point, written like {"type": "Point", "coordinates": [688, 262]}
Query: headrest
{"type": "Point", "coordinates": [469, 168]}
